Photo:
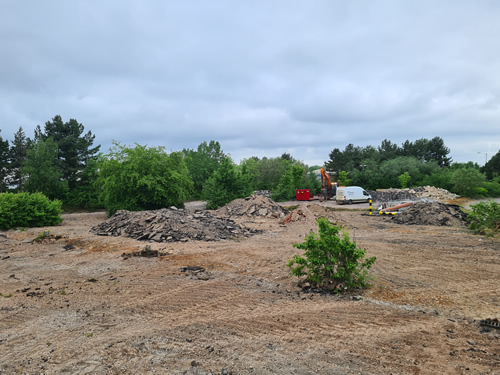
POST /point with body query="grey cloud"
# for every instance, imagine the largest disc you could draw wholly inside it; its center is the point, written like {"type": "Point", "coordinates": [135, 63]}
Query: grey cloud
{"type": "Point", "coordinates": [263, 77]}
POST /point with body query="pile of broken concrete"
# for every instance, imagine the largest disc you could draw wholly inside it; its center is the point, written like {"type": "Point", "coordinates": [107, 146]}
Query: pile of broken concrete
{"type": "Point", "coordinates": [433, 193]}
{"type": "Point", "coordinates": [421, 193]}
{"type": "Point", "coordinates": [432, 213]}
{"type": "Point", "coordinates": [393, 195]}
{"type": "Point", "coordinates": [255, 205]}
{"type": "Point", "coordinates": [171, 225]}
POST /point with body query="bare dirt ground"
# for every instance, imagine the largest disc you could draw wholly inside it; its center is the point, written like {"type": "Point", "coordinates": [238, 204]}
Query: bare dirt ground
{"type": "Point", "coordinates": [72, 304]}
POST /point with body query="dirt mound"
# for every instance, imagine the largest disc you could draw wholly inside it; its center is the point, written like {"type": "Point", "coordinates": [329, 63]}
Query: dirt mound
{"type": "Point", "coordinates": [170, 225]}
{"type": "Point", "coordinates": [255, 205]}
{"type": "Point", "coordinates": [435, 213]}
{"type": "Point", "coordinates": [310, 210]}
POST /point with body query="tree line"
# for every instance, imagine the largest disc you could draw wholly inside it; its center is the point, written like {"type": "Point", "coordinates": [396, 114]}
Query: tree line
{"type": "Point", "coordinates": [418, 163]}
{"type": "Point", "coordinates": [62, 162]}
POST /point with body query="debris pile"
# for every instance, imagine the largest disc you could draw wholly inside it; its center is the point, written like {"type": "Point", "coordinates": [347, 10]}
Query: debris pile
{"type": "Point", "coordinates": [435, 213]}
{"type": "Point", "coordinates": [429, 193]}
{"type": "Point", "coordinates": [393, 195]}
{"type": "Point", "coordinates": [310, 210]}
{"type": "Point", "coordinates": [433, 193]}
{"type": "Point", "coordinates": [255, 205]}
{"type": "Point", "coordinates": [265, 193]}
{"type": "Point", "coordinates": [146, 253]}
{"type": "Point", "coordinates": [170, 225]}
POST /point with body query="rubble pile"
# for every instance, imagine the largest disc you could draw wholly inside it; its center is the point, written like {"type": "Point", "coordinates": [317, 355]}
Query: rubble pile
{"type": "Point", "coordinates": [255, 205]}
{"type": "Point", "coordinates": [266, 193]}
{"type": "Point", "coordinates": [433, 193]}
{"type": "Point", "coordinates": [310, 210]}
{"type": "Point", "coordinates": [428, 193]}
{"type": "Point", "coordinates": [170, 225]}
{"type": "Point", "coordinates": [393, 195]}
{"type": "Point", "coordinates": [432, 213]}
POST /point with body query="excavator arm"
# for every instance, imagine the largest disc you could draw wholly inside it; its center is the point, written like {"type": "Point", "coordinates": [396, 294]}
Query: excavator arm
{"type": "Point", "coordinates": [328, 189]}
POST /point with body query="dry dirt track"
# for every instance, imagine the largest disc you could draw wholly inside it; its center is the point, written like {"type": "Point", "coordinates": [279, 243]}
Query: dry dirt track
{"type": "Point", "coordinates": [86, 310]}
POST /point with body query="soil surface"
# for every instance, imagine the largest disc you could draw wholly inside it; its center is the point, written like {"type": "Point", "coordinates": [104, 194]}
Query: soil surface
{"type": "Point", "coordinates": [74, 302]}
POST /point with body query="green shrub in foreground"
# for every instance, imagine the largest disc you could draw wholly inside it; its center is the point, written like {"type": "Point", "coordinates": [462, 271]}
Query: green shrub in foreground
{"type": "Point", "coordinates": [485, 218]}
{"type": "Point", "coordinates": [28, 210]}
{"type": "Point", "coordinates": [331, 259]}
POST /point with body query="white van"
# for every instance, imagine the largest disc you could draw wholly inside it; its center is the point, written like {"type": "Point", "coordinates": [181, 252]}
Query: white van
{"type": "Point", "coordinates": [351, 194]}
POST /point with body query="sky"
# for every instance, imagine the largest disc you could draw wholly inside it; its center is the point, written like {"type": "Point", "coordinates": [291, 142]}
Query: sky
{"type": "Point", "coordinates": [261, 77]}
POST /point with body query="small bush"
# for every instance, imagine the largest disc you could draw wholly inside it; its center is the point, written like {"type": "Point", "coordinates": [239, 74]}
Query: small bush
{"type": "Point", "coordinates": [28, 210]}
{"type": "Point", "coordinates": [485, 218]}
{"type": "Point", "coordinates": [331, 259]}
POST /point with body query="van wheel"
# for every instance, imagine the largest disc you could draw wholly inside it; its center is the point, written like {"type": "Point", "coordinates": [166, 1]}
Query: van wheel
{"type": "Point", "coordinates": [350, 201]}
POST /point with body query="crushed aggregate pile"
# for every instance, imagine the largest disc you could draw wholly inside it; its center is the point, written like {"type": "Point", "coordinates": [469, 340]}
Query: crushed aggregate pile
{"type": "Point", "coordinates": [421, 193]}
{"type": "Point", "coordinates": [255, 205]}
{"type": "Point", "coordinates": [171, 225]}
{"type": "Point", "coordinates": [432, 213]}
{"type": "Point", "coordinates": [433, 193]}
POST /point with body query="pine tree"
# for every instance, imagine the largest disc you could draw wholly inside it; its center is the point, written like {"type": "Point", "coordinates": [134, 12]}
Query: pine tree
{"type": "Point", "coordinates": [74, 147]}
{"type": "Point", "coordinates": [4, 164]}
{"type": "Point", "coordinates": [17, 158]}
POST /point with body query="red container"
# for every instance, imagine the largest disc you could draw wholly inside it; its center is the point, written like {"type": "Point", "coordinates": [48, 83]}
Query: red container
{"type": "Point", "coordinates": [302, 194]}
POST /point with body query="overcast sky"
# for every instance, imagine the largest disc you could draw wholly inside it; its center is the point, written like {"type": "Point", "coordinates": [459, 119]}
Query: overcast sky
{"type": "Point", "coordinates": [261, 77]}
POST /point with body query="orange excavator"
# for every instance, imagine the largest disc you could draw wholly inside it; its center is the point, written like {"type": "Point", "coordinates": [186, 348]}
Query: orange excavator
{"type": "Point", "coordinates": [328, 188]}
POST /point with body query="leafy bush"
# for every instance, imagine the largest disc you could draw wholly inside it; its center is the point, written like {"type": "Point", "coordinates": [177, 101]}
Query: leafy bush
{"type": "Point", "coordinates": [331, 260]}
{"type": "Point", "coordinates": [28, 210]}
{"type": "Point", "coordinates": [493, 187]}
{"type": "Point", "coordinates": [466, 181]}
{"type": "Point", "coordinates": [485, 218]}
{"type": "Point", "coordinates": [142, 178]}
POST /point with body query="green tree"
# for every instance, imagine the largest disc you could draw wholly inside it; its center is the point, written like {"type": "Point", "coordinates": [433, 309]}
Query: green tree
{"type": "Point", "coordinates": [336, 162]}
{"type": "Point", "coordinates": [492, 167]}
{"type": "Point", "coordinates": [85, 195]}
{"type": "Point", "coordinates": [331, 259]}
{"type": "Point", "coordinates": [270, 172]}
{"type": "Point", "coordinates": [43, 172]}
{"type": "Point", "coordinates": [441, 178]}
{"type": "Point", "coordinates": [17, 157]}
{"type": "Point", "coordinates": [466, 182]}
{"type": "Point", "coordinates": [4, 163]}
{"type": "Point", "coordinates": [225, 185]}
{"type": "Point", "coordinates": [251, 167]}
{"type": "Point", "coordinates": [438, 152]}
{"type": "Point", "coordinates": [75, 148]}
{"type": "Point", "coordinates": [427, 150]}
{"type": "Point", "coordinates": [202, 163]}
{"type": "Point", "coordinates": [142, 178]}
{"type": "Point", "coordinates": [343, 178]}
{"type": "Point", "coordinates": [290, 181]}
{"type": "Point", "coordinates": [388, 150]}
{"type": "Point", "coordinates": [404, 180]}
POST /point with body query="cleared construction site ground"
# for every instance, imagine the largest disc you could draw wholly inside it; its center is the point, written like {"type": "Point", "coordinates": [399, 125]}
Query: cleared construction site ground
{"type": "Point", "coordinates": [80, 302]}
